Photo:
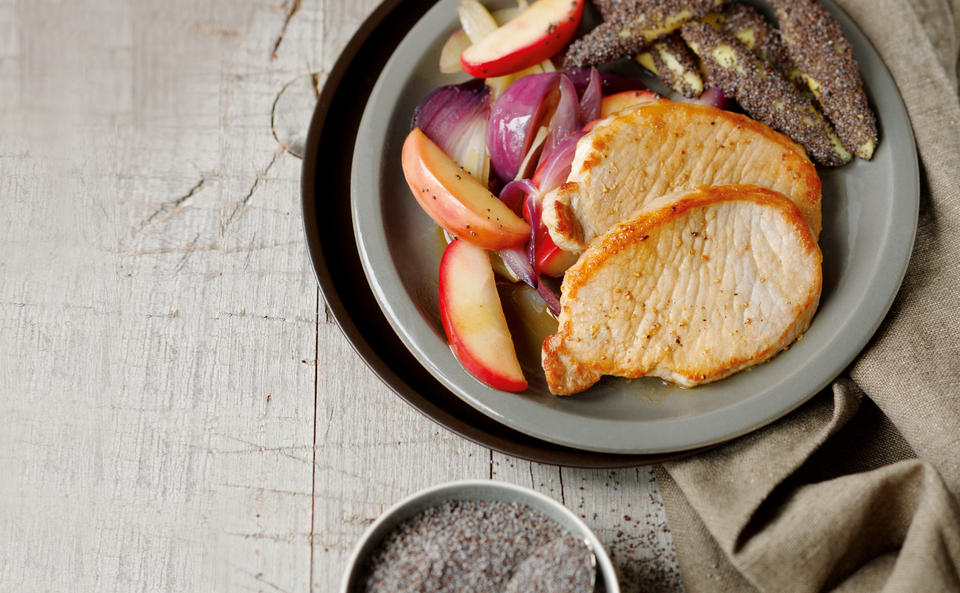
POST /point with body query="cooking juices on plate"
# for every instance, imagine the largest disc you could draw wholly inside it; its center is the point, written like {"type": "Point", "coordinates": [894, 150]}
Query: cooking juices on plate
{"type": "Point", "coordinates": [685, 233]}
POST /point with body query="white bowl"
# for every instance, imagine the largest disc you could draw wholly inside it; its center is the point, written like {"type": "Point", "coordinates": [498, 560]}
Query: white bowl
{"type": "Point", "coordinates": [481, 491]}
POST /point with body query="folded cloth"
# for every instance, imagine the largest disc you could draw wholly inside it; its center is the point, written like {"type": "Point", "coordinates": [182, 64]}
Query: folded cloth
{"type": "Point", "coordinates": [854, 493]}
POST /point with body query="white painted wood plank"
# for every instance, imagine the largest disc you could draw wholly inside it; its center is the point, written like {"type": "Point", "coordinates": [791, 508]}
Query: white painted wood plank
{"type": "Point", "coordinates": [155, 304]}
{"type": "Point", "coordinates": [625, 509]}
{"type": "Point", "coordinates": [545, 479]}
{"type": "Point", "coordinates": [372, 450]}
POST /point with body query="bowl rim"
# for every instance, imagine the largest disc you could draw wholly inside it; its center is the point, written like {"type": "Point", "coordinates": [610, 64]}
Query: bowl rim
{"type": "Point", "coordinates": [497, 490]}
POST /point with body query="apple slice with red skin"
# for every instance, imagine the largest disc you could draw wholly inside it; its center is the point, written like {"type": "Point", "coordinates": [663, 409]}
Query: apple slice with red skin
{"type": "Point", "coordinates": [549, 259]}
{"type": "Point", "coordinates": [534, 35]}
{"type": "Point", "coordinates": [455, 200]}
{"type": "Point", "coordinates": [473, 318]}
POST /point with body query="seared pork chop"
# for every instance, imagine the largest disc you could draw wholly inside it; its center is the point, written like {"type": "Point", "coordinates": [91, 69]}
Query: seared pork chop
{"type": "Point", "coordinates": [698, 286]}
{"type": "Point", "coordinates": [639, 155]}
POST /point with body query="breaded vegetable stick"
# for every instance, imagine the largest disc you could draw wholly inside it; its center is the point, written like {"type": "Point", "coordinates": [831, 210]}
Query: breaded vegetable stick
{"type": "Point", "coordinates": [764, 93]}
{"type": "Point", "coordinates": [673, 63]}
{"type": "Point", "coordinates": [815, 42]}
{"type": "Point", "coordinates": [607, 7]}
{"type": "Point", "coordinates": [601, 45]}
{"type": "Point", "coordinates": [632, 26]}
{"type": "Point", "coordinates": [752, 29]}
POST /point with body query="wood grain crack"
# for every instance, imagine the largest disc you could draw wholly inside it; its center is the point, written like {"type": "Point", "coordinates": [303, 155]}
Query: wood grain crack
{"type": "Point", "coordinates": [294, 7]}
{"type": "Point", "coordinates": [314, 77]}
{"type": "Point", "coordinates": [563, 495]}
{"type": "Point", "coordinates": [189, 249]}
{"type": "Point", "coordinates": [313, 464]}
{"type": "Point", "coordinates": [173, 206]}
{"type": "Point", "coordinates": [233, 250]}
{"type": "Point", "coordinates": [242, 205]}
{"type": "Point", "coordinates": [258, 576]}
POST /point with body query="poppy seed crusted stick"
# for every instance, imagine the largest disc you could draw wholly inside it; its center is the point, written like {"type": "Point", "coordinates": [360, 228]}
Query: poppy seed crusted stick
{"type": "Point", "coordinates": [754, 31]}
{"type": "Point", "coordinates": [672, 62]}
{"type": "Point", "coordinates": [631, 27]}
{"type": "Point", "coordinates": [764, 93]}
{"type": "Point", "coordinates": [817, 45]}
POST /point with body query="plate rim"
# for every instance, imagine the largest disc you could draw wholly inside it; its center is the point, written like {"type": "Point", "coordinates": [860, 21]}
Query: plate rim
{"type": "Point", "coordinates": [770, 411]}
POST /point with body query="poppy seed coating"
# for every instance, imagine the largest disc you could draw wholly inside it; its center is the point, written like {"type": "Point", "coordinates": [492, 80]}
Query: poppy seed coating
{"type": "Point", "coordinates": [629, 27]}
{"type": "Point", "coordinates": [672, 62]}
{"type": "Point", "coordinates": [480, 547]}
{"type": "Point", "coordinates": [754, 31]}
{"type": "Point", "coordinates": [817, 45]}
{"type": "Point", "coordinates": [764, 93]}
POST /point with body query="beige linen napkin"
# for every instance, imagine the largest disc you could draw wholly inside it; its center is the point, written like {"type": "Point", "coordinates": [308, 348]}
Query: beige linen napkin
{"type": "Point", "coordinates": [854, 493]}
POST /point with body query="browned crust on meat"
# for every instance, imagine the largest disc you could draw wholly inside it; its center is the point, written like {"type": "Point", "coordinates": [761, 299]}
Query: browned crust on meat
{"type": "Point", "coordinates": [764, 93]}
{"type": "Point", "coordinates": [566, 375]}
{"type": "Point", "coordinates": [659, 114]}
{"type": "Point", "coordinates": [816, 43]}
{"type": "Point", "coordinates": [632, 231]}
{"type": "Point", "coordinates": [567, 222]}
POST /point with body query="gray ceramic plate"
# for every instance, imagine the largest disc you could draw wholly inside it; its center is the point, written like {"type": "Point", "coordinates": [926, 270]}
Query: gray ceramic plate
{"type": "Point", "coordinates": [870, 214]}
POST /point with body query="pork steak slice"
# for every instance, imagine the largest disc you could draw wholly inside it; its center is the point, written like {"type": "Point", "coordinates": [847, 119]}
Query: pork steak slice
{"type": "Point", "coordinates": [639, 155]}
{"type": "Point", "coordinates": [698, 286]}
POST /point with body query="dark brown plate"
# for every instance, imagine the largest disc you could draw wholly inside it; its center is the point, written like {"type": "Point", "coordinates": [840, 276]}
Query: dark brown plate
{"type": "Point", "coordinates": [329, 231]}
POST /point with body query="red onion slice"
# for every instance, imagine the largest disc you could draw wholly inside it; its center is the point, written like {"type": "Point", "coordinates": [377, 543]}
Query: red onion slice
{"type": "Point", "coordinates": [549, 297]}
{"type": "Point", "coordinates": [455, 117]}
{"type": "Point", "coordinates": [590, 101]}
{"type": "Point", "coordinates": [553, 171]}
{"type": "Point", "coordinates": [514, 192]}
{"type": "Point", "coordinates": [535, 210]}
{"type": "Point", "coordinates": [566, 118]}
{"type": "Point", "coordinates": [516, 259]}
{"type": "Point", "coordinates": [522, 260]}
{"type": "Point", "coordinates": [609, 83]}
{"type": "Point", "coordinates": [444, 111]}
{"type": "Point", "coordinates": [514, 119]}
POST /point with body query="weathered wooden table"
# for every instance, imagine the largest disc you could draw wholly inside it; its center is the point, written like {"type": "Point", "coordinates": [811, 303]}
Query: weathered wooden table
{"type": "Point", "coordinates": [179, 412]}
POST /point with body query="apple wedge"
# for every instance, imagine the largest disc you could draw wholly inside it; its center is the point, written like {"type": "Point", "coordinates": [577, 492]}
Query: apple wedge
{"type": "Point", "coordinates": [548, 259]}
{"type": "Point", "coordinates": [456, 200]}
{"type": "Point", "coordinates": [450, 53]}
{"type": "Point", "coordinates": [473, 318]}
{"type": "Point", "coordinates": [534, 35]}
